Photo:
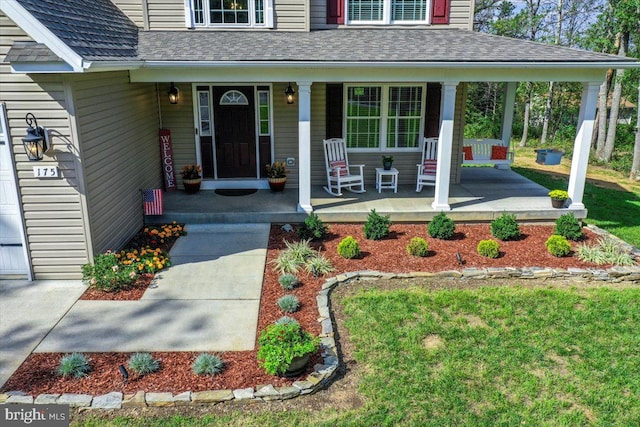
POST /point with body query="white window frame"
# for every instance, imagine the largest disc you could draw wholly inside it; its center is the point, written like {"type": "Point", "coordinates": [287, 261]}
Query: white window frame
{"type": "Point", "coordinates": [190, 21]}
{"type": "Point", "coordinates": [386, 16]}
{"type": "Point", "coordinates": [384, 116]}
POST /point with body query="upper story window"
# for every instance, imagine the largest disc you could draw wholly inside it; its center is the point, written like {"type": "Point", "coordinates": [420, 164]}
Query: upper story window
{"type": "Point", "coordinates": [387, 11]}
{"type": "Point", "coordinates": [249, 13]}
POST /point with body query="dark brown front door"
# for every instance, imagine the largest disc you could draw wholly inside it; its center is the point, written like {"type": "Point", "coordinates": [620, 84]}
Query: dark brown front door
{"type": "Point", "coordinates": [235, 134]}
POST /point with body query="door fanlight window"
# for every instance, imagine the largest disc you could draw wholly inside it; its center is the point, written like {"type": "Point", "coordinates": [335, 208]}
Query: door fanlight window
{"type": "Point", "coordinates": [234, 97]}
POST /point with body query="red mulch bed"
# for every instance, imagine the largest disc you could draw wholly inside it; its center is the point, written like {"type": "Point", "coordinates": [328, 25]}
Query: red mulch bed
{"type": "Point", "coordinates": [38, 373]}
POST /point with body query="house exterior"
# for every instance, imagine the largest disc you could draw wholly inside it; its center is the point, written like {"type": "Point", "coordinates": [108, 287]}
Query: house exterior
{"type": "Point", "coordinates": [95, 73]}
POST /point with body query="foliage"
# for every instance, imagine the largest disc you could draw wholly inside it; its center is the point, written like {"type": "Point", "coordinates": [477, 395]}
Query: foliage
{"type": "Point", "coordinates": [286, 319]}
{"type": "Point", "coordinates": [568, 226]}
{"type": "Point", "coordinates": [558, 195]}
{"type": "Point", "coordinates": [349, 248]}
{"type": "Point", "coordinates": [312, 228]}
{"type": "Point", "coordinates": [278, 344]}
{"type": "Point", "coordinates": [207, 364]}
{"type": "Point", "coordinates": [418, 247]}
{"type": "Point", "coordinates": [152, 235]}
{"type": "Point", "coordinates": [318, 265]}
{"type": "Point", "coordinates": [288, 281]}
{"type": "Point", "coordinates": [558, 246]}
{"type": "Point", "coordinates": [294, 257]}
{"type": "Point", "coordinates": [605, 251]}
{"type": "Point", "coordinates": [143, 363]}
{"type": "Point", "coordinates": [276, 170]}
{"type": "Point", "coordinates": [505, 227]}
{"type": "Point", "coordinates": [191, 172]}
{"type": "Point", "coordinates": [377, 226]}
{"type": "Point", "coordinates": [107, 274]}
{"type": "Point", "coordinates": [74, 365]}
{"type": "Point", "coordinates": [488, 248]}
{"type": "Point", "coordinates": [145, 260]}
{"type": "Point", "coordinates": [289, 303]}
{"type": "Point", "coordinates": [441, 227]}
{"type": "Point", "coordinates": [387, 159]}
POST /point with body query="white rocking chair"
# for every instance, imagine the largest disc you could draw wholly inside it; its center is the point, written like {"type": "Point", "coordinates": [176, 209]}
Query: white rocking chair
{"type": "Point", "coordinates": [427, 168]}
{"type": "Point", "coordinates": [340, 174]}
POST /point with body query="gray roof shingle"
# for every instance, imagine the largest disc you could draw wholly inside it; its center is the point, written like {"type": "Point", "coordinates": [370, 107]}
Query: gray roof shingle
{"type": "Point", "coordinates": [31, 52]}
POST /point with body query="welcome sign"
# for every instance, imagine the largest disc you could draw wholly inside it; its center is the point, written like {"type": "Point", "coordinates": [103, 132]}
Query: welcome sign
{"type": "Point", "coordinates": [166, 151]}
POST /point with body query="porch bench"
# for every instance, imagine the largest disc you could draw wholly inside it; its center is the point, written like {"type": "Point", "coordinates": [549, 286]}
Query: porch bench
{"type": "Point", "coordinates": [483, 153]}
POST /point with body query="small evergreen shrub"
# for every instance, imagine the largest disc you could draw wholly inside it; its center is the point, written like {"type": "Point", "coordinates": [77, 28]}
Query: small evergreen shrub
{"type": "Point", "coordinates": [418, 247]}
{"type": "Point", "coordinates": [74, 365]}
{"type": "Point", "coordinates": [349, 248]}
{"type": "Point", "coordinates": [107, 274]}
{"type": "Point", "coordinates": [312, 228]}
{"type": "Point", "coordinates": [288, 281]}
{"type": "Point", "coordinates": [318, 265]}
{"type": "Point", "coordinates": [207, 364]}
{"type": "Point", "coordinates": [293, 258]}
{"type": "Point", "coordinates": [605, 251]}
{"type": "Point", "coordinates": [488, 248]}
{"type": "Point", "coordinates": [568, 226]}
{"type": "Point", "coordinates": [289, 303]}
{"type": "Point", "coordinates": [441, 227]}
{"type": "Point", "coordinates": [558, 245]}
{"type": "Point", "coordinates": [505, 227]}
{"type": "Point", "coordinates": [285, 320]}
{"type": "Point", "coordinates": [377, 226]}
{"type": "Point", "coordinates": [143, 363]}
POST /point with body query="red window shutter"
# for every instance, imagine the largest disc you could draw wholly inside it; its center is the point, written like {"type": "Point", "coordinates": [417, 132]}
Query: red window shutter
{"type": "Point", "coordinates": [335, 11]}
{"type": "Point", "coordinates": [440, 11]}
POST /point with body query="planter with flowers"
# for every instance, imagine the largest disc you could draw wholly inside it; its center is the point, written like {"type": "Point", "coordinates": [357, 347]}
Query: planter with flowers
{"type": "Point", "coordinates": [276, 175]}
{"type": "Point", "coordinates": [191, 178]}
{"type": "Point", "coordinates": [284, 349]}
{"type": "Point", "coordinates": [558, 198]}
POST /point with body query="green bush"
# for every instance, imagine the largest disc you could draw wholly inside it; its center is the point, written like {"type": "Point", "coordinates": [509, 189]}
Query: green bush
{"type": "Point", "coordinates": [349, 248]}
{"type": "Point", "coordinates": [489, 248]}
{"type": "Point", "coordinates": [74, 365]}
{"type": "Point", "coordinates": [318, 265]}
{"type": "Point", "coordinates": [294, 257]}
{"type": "Point", "coordinates": [289, 303]}
{"type": "Point", "coordinates": [207, 364]}
{"type": "Point", "coordinates": [568, 226]}
{"type": "Point", "coordinates": [418, 247]}
{"type": "Point", "coordinates": [377, 226]}
{"type": "Point", "coordinates": [278, 344]}
{"type": "Point", "coordinates": [441, 227]}
{"type": "Point", "coordinates": [286, 319]}
{"type": "Point", "coordinates": [107, 274]}
{"type": "Point", "coordinates": [605, 251]}
{"type": "Point", "coordinates": [505, 227]}
{"type": "Point", "coordinates": [288, 281]}
{"type": "Point", "coordinates": [558, 245]}
{"type": "Point", "coordinates": [312, 228]}
{"type": "Point", "coordinates": [143, 363]}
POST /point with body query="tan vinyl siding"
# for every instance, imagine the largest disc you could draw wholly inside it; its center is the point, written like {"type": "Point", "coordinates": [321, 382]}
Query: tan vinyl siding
{"type": "Point", "coordinates": [118, 127]}
{"type": "Point", "coordinates": [178, 118]}
{"type": "Point", "coordinates": [285, 128]}
{"type": "Point", "coordinates": [133, 9]}
{"type": "Point", "coordinates": [52, 208]}
{"type": "Point", "coordinates": [291, 15]}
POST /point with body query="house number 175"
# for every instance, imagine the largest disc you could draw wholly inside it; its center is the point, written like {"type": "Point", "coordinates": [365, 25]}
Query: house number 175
{"type": "Point", "coordinates": [45, 172]}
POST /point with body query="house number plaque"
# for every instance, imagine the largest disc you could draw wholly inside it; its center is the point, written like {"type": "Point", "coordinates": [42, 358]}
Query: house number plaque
{"type": "Point", "coordinates": [46, 172]}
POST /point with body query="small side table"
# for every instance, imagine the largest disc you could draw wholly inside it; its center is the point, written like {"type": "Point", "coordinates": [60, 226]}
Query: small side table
{"type": "Point", "coordinates": [381, 183]}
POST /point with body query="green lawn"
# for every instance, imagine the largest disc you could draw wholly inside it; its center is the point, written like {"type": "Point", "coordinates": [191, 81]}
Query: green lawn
{"type": "Point", "coordinates": [500, 356]}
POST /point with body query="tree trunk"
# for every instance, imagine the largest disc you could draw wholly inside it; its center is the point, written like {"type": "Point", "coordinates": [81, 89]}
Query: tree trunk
{"type": "Point", "coordinates": [525, 127]}
{"type": "Point", "coordinates": [547, 115]}
{"type": "Point", "coordinates": [602, 118]}
{"type": "Point", "coordinates": [609, 144]}
{"type": "Point", "coordinates": [635, 166]}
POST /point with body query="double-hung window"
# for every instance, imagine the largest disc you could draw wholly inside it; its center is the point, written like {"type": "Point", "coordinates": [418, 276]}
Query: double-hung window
{"type": "Point", "coordinates": [250, 13]}
{"type": "Point", "coordinates": [384, 117]}
{"type": "Point", "coordinates": [388, 11]}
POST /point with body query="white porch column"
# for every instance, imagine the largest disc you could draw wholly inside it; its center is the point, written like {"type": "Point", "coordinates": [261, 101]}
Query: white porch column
{"type": "Point", "coordinates": [582, 143]}
{"type": "Point", "coordinates": [304, 146]}
{"type": "Point", "coordinates": [507, 111]}
{"type": "Point", "coordinates": [445, 146]}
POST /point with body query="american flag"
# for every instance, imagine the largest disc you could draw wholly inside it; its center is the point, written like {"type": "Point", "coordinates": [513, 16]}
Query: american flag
{"type": "Point", "coordinates": [152, 201]}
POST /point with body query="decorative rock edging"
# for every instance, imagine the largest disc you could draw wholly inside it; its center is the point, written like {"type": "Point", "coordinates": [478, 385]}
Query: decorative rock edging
{"type": "Point", "coordinates": [323, 373]}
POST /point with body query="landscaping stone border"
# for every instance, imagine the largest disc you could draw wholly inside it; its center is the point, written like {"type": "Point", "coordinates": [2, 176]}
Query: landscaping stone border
{"type": "Point", "coordinates": [323, 373]}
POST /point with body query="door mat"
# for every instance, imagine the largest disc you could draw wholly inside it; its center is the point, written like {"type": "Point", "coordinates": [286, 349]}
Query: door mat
{"type": "Point", "coordinates": [235, 191]}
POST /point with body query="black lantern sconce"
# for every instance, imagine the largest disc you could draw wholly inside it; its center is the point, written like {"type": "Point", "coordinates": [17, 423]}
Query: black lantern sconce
{"type": "Point", "coordinates": [174, 94]}
{"type": "Point", "coordinates": [36, 141]}
{"type": "Point", "coordinates": [289, 94]}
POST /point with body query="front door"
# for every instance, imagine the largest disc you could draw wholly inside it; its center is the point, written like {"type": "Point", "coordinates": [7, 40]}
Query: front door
{"type": "Point", "coordinates": [235, 134]}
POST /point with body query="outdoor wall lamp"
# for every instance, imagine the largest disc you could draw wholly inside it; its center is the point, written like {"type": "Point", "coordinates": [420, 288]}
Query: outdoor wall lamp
{"type": "Point", "coordinates": [289, 94]}
{"type": "Point", "coordinates": [174, 94]}
{"type": "Point", "coordinates": [36, 141]}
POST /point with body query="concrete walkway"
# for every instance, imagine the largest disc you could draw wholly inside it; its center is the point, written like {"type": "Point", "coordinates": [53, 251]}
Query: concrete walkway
{"type": "Point", "coordinates": [207, 301]}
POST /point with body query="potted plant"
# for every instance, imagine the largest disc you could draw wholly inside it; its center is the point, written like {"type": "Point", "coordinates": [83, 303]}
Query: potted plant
{"type": "Point", "coordinates": [558, 198]}
{"type": "Point", "coordinates": [387, 162]}
{"type": "Point", "coordinates": [191, 178]}
{"type": "Point", "coordinates": [276, 175]}
{"type": "Point", "coordinates": [284, 349]}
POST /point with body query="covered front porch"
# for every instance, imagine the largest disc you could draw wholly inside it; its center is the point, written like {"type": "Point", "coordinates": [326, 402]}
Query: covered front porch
{"type": "Point", "coordinates": [483, 194]}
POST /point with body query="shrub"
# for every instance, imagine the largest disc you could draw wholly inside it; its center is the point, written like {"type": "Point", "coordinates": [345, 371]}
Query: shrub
{"type": "Point", "coordinates": [289, 303]}
{"type": "Point", "coordinates": [74, 365]}
{"type": "Point", "coordinates": [107, 274]}
{"type": "Point", "coordinates": [349, 248]}
{"type": "Point", "coordinates": [605, 251]}
{"type": "Point", "coordinates": [207, 364]}
{"type": "Point", "coordinates": [318, 265]}
{"type": "Point", "coordinates": [286, 319]}
{"type": "Point", "coordinates": [377, 226]}
{"type": "Point", "coordinates": [288, 281]}
{"type": "Point", "coordinates": [489, 248]}
{"type": "Point", "coordinates": [558, 245]}
{"type": "Point", "coordinates": [441, 227]}
{"type": "Point", "coordinates": [505, 227]}
{"type": "Point", "coordinates": [280, 343]}
{"type": "Point", "coordinates": [143, 363]}
{"type": "Point", "coordinates": [312, 228]}
{"type": "Point", "coordinates": [418, 247]}
{"type": "Point", "coordinates": [568, 226]}
{"type": "Point", "coordinates": [291, 259]}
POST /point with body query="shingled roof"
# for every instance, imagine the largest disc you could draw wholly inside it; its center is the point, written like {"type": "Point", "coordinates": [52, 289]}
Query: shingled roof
{"type": "Point", "coordinates": [31, 52]}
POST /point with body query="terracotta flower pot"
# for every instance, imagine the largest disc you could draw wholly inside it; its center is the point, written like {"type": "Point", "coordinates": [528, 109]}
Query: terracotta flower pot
{"type": "Point", "coordinates": [192, 186]}
{"type": "Point", "coordinates": [277, 184]}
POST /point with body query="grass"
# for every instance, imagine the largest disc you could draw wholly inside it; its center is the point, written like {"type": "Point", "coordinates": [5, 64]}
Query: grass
{"type": "Point", "coordinates": [500, 356]}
